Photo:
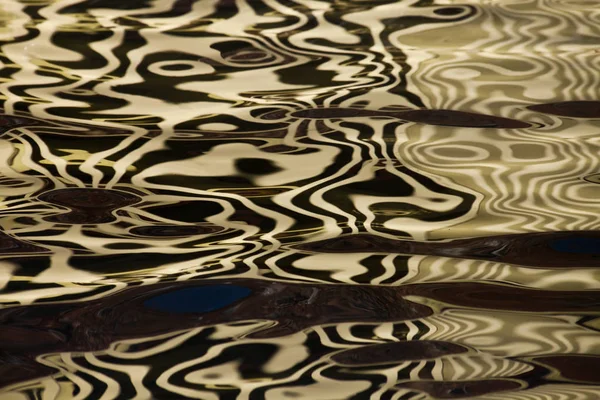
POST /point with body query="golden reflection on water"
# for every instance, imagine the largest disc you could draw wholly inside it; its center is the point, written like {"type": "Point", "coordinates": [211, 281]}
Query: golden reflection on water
{"type": "Point", "coordinates": [299, 199]}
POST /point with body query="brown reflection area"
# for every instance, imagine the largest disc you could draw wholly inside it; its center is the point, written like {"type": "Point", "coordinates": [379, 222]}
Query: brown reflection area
{"type": "Point", "coordinates": [273, 115]}
{"type": "Point", "coordinates": [8, 122]}
{"type": "Point", "coordinates": [461, 119]}
{"type": "Point", "coordinates": [93, 325]}
{"type": "Point", "coordinates": [19, 338]}
{"type": "Point", "coordinates": [575, 249]}
{"type": "Point", "coordinates": [87, 205]}
{"type": "Point", "coordinates": [503, 297]}
{"type": "Point", "coordinates": [396, 352]}
{"type": "Point", "coordinates": [575, 367]}
{"type": "Point", "coordinates": [15, 369]}
{"type": "Point", "coordinates": [175, 230]}
{"type": "Point", "coordinates": [52, 127]}
{"type": "Point", "coordinates": [575, 109]}
{"type": "Point", "coordinates": [279, 148]}
{"type": "Point", "coordinates": [461, 389]}
{"type": "Point", "coordinates": [11, 245]}
{"type": "Point", "coordinates": [424, 116]}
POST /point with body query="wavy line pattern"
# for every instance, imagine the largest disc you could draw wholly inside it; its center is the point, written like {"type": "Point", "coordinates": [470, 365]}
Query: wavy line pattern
{"type": "Point", "coordinates": [272, 199]}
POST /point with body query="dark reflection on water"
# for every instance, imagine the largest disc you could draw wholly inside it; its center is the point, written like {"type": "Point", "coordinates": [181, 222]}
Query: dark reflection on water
{"type": "Point", "coordinates": [313, 199]}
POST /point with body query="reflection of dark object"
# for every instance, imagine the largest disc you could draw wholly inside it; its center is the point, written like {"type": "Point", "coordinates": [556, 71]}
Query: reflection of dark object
{"type": "Point", "coordinates": [197, 299]}
{"type": "Point", "coordinates": [175, 230]}
{"type": "Point", "coordinates": [256, 166]}
{"type": "Point", "coordinates": [177, 67]}
{"type": "Point", "coordinates": [19, 338]}
{"type": "Point", "coordinates": [575, 109]}
{"type": "Point", "coordinates": [576, 367]}
{"type": "Point", "coordinates": [502, 297]}
{"type": "Point", "coordinates": [579, 245]}
{"type": "Point", "coordinates": [396, 352]}
{"type": "Point", "coordinates": [8, 122]}
{"type": "Point", "coordinates": [279, 148]}
{"type": "Point", "coordinates": [273, 115]}
{"type": "Point", "coordinates": [187, 211]}
{"type": "Point", "coordinates": [250, 217]}
{"type": "Point", "coordinates": [461, 119]}
{"type": "Point", "coordinates": [575, 249]}
{"type": "Point", "coordinates": [156, 309]}
{"type": "Point", "coordinates": [14, 369]}
{"type": "Point", "coordinates": [448, 11]}
{"type": "Point", "coordinates": [10, 245]}
{"type": "Point", "coordinates": [88, 206]}
{"type": "Point", "coordinates": [461, 389]}
{"type": "Point", "coordinates": [431, 117]}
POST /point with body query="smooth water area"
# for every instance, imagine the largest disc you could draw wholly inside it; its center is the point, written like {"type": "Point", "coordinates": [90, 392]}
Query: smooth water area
{"type": "Point", "coordinates": [300, 199]}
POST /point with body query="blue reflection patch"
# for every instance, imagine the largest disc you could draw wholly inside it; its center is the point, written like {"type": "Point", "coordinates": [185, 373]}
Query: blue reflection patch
{"type": "Point", "coordinates": [581, 245]}
{"type": "Point", "coordinates": [199, 299]}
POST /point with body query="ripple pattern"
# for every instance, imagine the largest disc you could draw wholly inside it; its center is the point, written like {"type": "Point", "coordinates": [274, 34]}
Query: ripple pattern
{"type": "Point", "coordinates": [272, 199]}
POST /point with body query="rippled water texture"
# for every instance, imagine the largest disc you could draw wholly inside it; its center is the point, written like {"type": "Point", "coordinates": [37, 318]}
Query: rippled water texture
{"type": "Point", "coordinates": [300, 199]}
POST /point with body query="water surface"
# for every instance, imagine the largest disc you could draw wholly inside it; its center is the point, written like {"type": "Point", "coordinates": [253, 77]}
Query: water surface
{"type": "Point", "coordinates": [283, 199]}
